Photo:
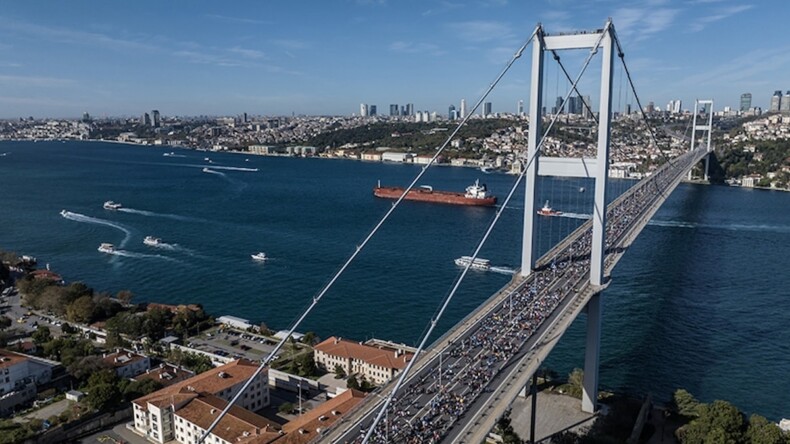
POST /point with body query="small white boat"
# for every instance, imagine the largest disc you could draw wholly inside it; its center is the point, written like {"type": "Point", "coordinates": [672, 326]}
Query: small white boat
{"type": "Point", "coordinates": [206, 170]}
{"type": "Point", "coordinates": [152, 241]}
{"type": "Point", "coordinates": [107, 248]}
{"type": "Point", "coordinates": [477, 264]}
{"type": "Point", "coordinates": [206, 159]}
{"type": "Point", "coordinates": [110, 205]}
{"type": "Point", "coordinates": [171, 153]}
{"type": "Point", "coordinates": [261, 256]}
{"type": "Point", "coordinates": [64, 213]}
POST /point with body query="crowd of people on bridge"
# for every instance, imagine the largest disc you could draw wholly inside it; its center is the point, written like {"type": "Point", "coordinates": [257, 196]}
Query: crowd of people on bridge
{"type": "Point", "coordinates": [477, 355]}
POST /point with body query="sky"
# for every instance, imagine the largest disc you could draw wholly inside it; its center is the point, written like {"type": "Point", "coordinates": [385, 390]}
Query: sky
{"type": "Point", "coordinates": [325, 57]}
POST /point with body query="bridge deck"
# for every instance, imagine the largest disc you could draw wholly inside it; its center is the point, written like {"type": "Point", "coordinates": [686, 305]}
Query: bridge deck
{"type": "Point", "coordinates": [480, 378]}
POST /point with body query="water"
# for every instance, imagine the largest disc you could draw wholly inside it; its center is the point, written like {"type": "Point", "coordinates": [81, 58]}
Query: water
{"type": "Point", "coordinates": [698, 302]}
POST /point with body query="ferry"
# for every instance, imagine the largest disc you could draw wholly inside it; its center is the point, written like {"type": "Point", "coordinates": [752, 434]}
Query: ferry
{"type": "Point", "coordinates": [152, 241]}
{"type": "Point", "coordinates": [107, 248]}
{"type": "Point", "coordinates": [261, 256]}
{"type": "Point", "coordinates": [477, 264]}
{"type": "Point", "coordinates": [548, 211]}
{"type": "Point", "coordinates": [110, 205]}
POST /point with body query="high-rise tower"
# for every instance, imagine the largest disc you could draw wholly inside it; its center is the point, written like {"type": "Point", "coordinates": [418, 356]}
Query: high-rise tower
{"type": "Point", "coordinates": [746, 102]}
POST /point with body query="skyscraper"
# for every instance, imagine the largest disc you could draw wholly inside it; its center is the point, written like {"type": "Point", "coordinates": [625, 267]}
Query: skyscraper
{"type": "Point", "coordinates": [776, 101]}
{"type": "Point", "coordinates": [372, 111]}
{"type": "Point", "coordinates": [363, 109]}
{"type": "Point", "coordinates": [558, 106]}
{"type": "Point", "coordinates": [487, 109]}
{"type": "Point", "coordinates": [520, 108]}
{"type": "Point", "coordinates": [155, 118]}
{"type": "Point", "coordinates": [394, 110]}
{"type": "Point", "coordinates": [586, 107]}
{"type": "Point", "coordinates": [785, 106]}
{"type": "Point", "coordinates": [463, 108]}
{"type": "Point", "coordinates": [409, 109]}
{"type": "Point", "coordinates": [746, 101]}
{"type": "Point", "coordinates": [451, 113]}
{"type": "Point", "coordinates": [677, 106]}
{"type": "Point", "coordinates": [145, 120]}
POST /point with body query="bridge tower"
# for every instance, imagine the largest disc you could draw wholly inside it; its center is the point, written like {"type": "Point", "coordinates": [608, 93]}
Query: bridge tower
{"type": "Point", "coordinates": [596, 168]}
{"type": "Point", "coordinates": [708, 104]}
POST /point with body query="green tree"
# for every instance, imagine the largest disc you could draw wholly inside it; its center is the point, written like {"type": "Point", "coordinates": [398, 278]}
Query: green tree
{"type": "Point", "coordinates": [719, 420]}
{"type": "Point", "coordinates": [5, 322]}
{"type": "Point", "coordinates": [339, 372]}
{"type": "Point", "coordinates": [136, 389]}
{"type": "Point", "coordinates": [685, 404]}
{"type": "Point", "coordinates": [41, 335]}
{"type": "Point", "coordinates": [82, 368]}
{"type": "Point", "coordinates": [103, 396]}
{"type": "Point", "coordinates": [352, 383]}
{"type": "Point", "coordinates": [286, 408]}
{"type": "Point", "coordinates": [762, 431]}
{"type": "Point", "coordinates": [309, 338]}
{"type": "Point", "coordinates": [81, 310]}
{"type": "Point", "coordinates": [155, 323]}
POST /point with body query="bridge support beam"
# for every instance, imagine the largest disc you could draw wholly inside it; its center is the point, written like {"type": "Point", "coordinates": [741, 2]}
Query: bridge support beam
{"type": "Point", "coordinates": [592, 355]}
{"type": "Point", "coordinates": [708, 104]}
{"type": "Point", "coordinates": [529, 250]}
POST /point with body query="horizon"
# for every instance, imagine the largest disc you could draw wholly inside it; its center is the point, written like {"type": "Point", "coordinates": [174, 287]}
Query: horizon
{"type": "Point", "coordinates": [204, 59]}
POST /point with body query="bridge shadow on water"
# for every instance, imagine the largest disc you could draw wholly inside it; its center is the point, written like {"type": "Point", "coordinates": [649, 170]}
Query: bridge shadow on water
{"type": "Point", "coordinates": [642, 338]}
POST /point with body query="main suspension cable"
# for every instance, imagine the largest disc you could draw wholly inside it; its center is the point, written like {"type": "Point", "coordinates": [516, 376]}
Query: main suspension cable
{"type": "Point", "coordinates": [435, 320]}
{"type": "Point", "coordinates": [317, 298]}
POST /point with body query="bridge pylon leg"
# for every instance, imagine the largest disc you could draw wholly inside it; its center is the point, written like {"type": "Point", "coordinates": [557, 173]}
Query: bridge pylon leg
{"type": "Point", "coordinates": [592, 354]}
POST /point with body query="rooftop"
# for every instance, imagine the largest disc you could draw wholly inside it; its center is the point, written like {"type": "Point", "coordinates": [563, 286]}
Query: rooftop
{"type": "Point", "coordinates": [166, 374]}
{"type": "Point", "coordinates": [211, 381]}
{"type": "Point", "coordinates": [305, 428]}
{"type": "Point", "coordinates": [122, 358]}
{"type": "Point", "coordinates": [237, 426]}
{"type": "Point", "coordinates": [382, 357]}
{"type": "Point", "coordinates": [8, 359]}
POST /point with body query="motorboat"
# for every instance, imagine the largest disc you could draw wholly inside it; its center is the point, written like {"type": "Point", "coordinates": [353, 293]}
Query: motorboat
{"type": "Point", "coordinates": [64, 213]}
{"type": "Point", "coordinates": [110, 205]}
{"type": "Point", "coordinates": [261, 256]}
{"type": "Point", "coordinates": [548, 211]}
{"type": "Point", "coordinates": [107, 248]}
{"type": "Point", "coordinates": [152, 241]}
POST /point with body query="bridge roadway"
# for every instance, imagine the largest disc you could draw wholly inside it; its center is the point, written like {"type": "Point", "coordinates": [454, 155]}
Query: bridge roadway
{"type": "Point", "coordinates": [491, 354]}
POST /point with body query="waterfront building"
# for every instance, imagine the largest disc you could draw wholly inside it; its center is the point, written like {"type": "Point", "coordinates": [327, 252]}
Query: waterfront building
{"type": "Point", "coordinates": [486, 109]}
{"type": "Point", "coordinates": [393, 109]}
{"type": "Point", "coordinates": [154, 414]}
{"type": "Point", "coordinates": [155, 119]}
{"type": "Point", "coordinates": [776, 101]}
{"type": "Point", "coordinates": [376, 364]}
{"type": "Point", "coordinates": [363, 110]}
{"type": "Point", "coordinates": [746, 102]}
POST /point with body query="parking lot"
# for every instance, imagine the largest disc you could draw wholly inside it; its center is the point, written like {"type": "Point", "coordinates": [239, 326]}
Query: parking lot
{"type": "Point", "coordinates": [233, 343]}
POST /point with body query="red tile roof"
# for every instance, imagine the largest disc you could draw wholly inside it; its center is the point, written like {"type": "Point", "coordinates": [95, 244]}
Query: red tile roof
{"type": "Point", "coordinates": [304, 428]}
{"type": "Point", "coordinates": [381, 357]}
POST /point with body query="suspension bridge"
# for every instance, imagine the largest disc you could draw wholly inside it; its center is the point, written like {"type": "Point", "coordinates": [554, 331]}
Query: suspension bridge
{"type": "Point", "coordinates": [458, 387]}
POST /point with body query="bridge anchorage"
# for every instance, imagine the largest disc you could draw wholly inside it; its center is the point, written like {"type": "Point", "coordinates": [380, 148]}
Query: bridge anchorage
{"type": "Point", "coordinates": [456, 389]}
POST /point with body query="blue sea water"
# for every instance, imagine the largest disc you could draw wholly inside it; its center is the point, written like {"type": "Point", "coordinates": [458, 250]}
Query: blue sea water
{"type": "Point", "coordinates": [700, 300]}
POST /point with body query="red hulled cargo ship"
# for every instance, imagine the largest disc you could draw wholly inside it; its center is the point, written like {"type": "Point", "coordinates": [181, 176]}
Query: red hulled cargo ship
{"type": "Point", "coordinates": [475, 195]}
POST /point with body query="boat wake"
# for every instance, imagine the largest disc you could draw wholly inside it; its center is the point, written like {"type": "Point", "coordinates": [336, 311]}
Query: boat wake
{"type": "Point", "coordinates": [132, 254]}
{"type": "Point", "coordinates": [4, 154]}
{"type": "Point", "coordinates": [227, 168]}
{"type": "Point", "coordinates": [153, 214]}
{"type": "Point", "coordinates": [96, 221]}
{"type": "Point", "coordinates": [210, 171]}
{"type": "Point", "coordinates": [581, 216]}
{"type": "Point", "coordinates": [502, 270]}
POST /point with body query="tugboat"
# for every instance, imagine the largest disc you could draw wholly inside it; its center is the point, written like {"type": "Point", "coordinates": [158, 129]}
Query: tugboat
{"type": "Point", "coordinates": [110, 205]}
{"type": "Point", "coordinates": [152, 241]}
{"type": "Point", "coordinates": [107, 248]}
{"type": "Point", "coordinates": [548, 211]}
{"type": "Point", "coordinates": [260, 257]}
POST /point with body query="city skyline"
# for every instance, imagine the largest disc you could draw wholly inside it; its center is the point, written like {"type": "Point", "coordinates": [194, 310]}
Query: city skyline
{"type": "Point", "coordinates": [326, 59]}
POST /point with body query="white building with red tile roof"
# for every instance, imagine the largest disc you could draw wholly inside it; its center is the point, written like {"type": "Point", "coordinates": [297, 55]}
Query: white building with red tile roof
{"type": "Point", "coordinates": [377, 364]}
{"type": "Point", "coordinates": [154, 413]}
{"type": "Point", "coordinates": [126, 363]}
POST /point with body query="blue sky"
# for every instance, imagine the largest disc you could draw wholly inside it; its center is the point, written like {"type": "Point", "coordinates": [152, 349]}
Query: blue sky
{"type": "Point", "coordinates": [60, 58]}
